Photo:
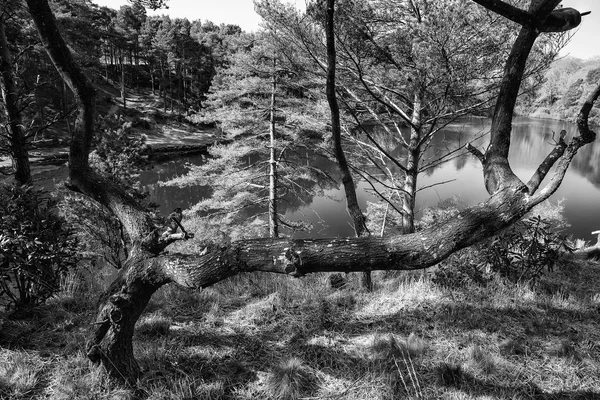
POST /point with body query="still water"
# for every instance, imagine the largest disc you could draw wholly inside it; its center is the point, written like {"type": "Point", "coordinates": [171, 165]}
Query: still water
{"type": "Point", "coordinates": [531, 141]}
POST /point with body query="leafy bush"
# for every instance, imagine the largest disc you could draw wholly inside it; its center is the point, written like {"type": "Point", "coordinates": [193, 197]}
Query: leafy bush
{"type": "Point", "coordinates": [36, 246]}
{"type": "Point", "coordinates": [99, 232]}
{"type": "Point", "coordinates": [520, 253]}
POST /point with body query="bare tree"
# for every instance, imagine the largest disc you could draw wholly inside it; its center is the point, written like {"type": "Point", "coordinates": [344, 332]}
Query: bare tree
{"type": "Point", "coordinates": [148, 268]}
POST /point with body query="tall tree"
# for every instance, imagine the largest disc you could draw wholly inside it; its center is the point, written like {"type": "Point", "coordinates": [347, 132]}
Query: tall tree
{"type": "Point", "coordinates": [358, 218]}
{"type": "Point", "coordinates": [148, 268]}
{"type": "Point", "coordinates": [259, 105]}
{"type": "Point", "coordinates": [15, 136]}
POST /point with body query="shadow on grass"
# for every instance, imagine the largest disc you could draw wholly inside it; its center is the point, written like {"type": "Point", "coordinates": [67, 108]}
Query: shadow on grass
{"type": "Point", "coordinates": [233, 356]}
{"type": "Point", "coordinates": [476, 387]}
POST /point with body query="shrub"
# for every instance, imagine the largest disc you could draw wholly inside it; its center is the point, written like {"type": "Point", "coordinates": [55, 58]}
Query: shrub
{"type": "Point", "coordinates": [519, 254]}
{"type": "Point", "coordinates": [119, 155]}
{"type": "Point", "coordinates": [36, 246]}
{"type": "Point", "coordinates": [522, 253]}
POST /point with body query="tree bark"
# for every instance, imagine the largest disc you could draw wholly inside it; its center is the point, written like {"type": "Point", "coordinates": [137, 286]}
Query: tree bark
{"type": "Point", "coordinates": [273, 217]}
{"type": "Point", "coordinates": [412, 166]}
{"type": "Point", "coordinates": [16, 136]}
{"type": "Point", "coordinates": [358, 218]}
{"type": "Point", "coordinates": [123, 94]}
{"type": "Point", "coordinates": [148, 268]}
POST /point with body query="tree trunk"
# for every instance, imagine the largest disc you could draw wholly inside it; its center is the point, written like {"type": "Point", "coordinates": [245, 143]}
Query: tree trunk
{"type": "Point", "coordinates": [358, 218]}
{"type": "Point", "coordinates": [273, 217]}
{"type": "Point", "coordinates": [121, 306]}
{"type": "Point", "coordinates": [122, 63]}
{"type": "Point", "coordinates": [16, 137]}
{"type": "Point", "coordinates": [106, 51]}
{"type": "Point", "coordinates": [152, 79]}
{"type": "Point", "coordinates": [412, 166]}
{"type": "Point", "coordinates": [409, 194]}
{"type": "Point", "coordinates": [170, 87]}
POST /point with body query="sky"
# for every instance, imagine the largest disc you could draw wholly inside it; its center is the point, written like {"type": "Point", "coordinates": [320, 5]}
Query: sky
{"type": "Point", "coordinates": [584, 44]}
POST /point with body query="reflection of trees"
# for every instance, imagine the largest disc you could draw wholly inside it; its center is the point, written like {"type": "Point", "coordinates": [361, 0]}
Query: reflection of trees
{"type": "Point", "coordinates": [532, 140]}
{"type": "Point", "coordinates": [446, 146]}
{"type": "Point", "coordinates": [586, 163]}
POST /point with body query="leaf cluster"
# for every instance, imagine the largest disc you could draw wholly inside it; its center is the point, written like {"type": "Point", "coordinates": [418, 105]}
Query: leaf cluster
{"type": "Point", "coordinates": [520, 254]}
{"type": "Point", "coordinates": [37, 246]}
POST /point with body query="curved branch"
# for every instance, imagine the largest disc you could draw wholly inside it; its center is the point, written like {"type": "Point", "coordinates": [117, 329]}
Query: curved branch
{"type": "Point", "coordinates": [543, 17]}
{"type": "Point", "coordinates": [548, 162]}
{"type": "Point", "coordinates": [476, 152]}
{"type": "Point", "coordinates": [137, 223]}
{"type": "Point", "coordinates": [298, 257]}
{"type": "Point", "coordinates": [586, 136]}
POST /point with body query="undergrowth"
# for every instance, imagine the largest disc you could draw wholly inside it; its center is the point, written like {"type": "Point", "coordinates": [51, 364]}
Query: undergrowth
{"type": "Point", "coordinates": [260, 336]}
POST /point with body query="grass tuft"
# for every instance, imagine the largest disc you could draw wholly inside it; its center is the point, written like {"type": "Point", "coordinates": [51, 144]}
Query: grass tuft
{"type": "Point", "coordinates": [19, 375]}
{"type": "Point", "coordinates": [153, 325]}
{"type": "Point", "coordinates": [482, 359]}
{"type": "Point", "coordinates": [450, 375]}
{"type": "Point", "coordinates": [291, 380]}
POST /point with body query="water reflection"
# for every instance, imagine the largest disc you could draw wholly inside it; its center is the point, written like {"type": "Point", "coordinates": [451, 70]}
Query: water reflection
{"type": "Point", "coordinates": [532, 140]}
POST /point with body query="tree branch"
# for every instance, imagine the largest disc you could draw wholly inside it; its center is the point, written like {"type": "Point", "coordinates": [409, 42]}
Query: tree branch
{"type": "Point", "coordinates": [586, 135]}
{"type": "Point", "coordinates": [548, 162]}
{"type": "Point", "coordinates": [476, 152]}
{"type": "Point", "coordinates": [509, 11]}
{"type": "Point", "coordinates": [298, 257]}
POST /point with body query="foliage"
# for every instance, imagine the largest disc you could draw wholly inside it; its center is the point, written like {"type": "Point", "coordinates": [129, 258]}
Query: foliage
{"type": "Point", "coordinates": [519, 254]}
{"type": "Point", "coordinates": [36, 246]}
{"type": "Point", "coordinates": [523, 252]}
{"type": "Point", "coordinates": [99, 232]}
{"type": "Point", "coordinates": [409, 69]}
{"type": "Point", "coordinates": [119, 156]}
{"type": "Point", "coordinates": [567, 83]}
{"type": "Point", "coordinates": [257, 83]}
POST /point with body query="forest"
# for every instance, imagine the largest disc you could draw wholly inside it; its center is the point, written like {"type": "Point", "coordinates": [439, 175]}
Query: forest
{"type": "Point", "coordinates": [239, 295]}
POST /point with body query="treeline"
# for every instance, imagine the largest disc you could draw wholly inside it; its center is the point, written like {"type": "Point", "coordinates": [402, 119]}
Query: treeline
{"type": "Point", "coordinates": [174, 58]}
{"type": "Point", "coordinates": [568, 82]}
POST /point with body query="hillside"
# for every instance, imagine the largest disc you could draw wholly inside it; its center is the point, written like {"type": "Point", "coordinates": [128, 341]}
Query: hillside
{"type": "Point", "coordinates": [166, 133]}
{"type": "Point", "coordinates": [567, 84]}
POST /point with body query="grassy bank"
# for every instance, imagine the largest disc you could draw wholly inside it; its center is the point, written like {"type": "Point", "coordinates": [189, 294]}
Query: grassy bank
{"type": "Point", "coordinates": [264, 336]}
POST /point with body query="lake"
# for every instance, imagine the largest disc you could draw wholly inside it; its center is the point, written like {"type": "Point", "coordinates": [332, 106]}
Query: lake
{"type": "Point", "coordinates": [531, 142]}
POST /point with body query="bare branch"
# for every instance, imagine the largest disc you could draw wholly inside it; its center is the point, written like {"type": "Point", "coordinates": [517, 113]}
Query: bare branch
{"type": "Point", "coordinates": [548, 162]}
{"type": "Point", "coordinates": [586, 135]}
{"type": "Point", "coordinates": [476, 152]}
{"type": "Point", "coordinates": [435, 184]}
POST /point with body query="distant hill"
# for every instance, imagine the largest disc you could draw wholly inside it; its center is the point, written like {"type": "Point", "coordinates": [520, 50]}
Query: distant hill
{"type": "Point", "coordinates": [567, 84]}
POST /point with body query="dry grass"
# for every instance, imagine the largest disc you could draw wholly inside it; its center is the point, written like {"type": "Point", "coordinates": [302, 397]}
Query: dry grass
{"type": "Point", "coordinates": [261, 336]}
